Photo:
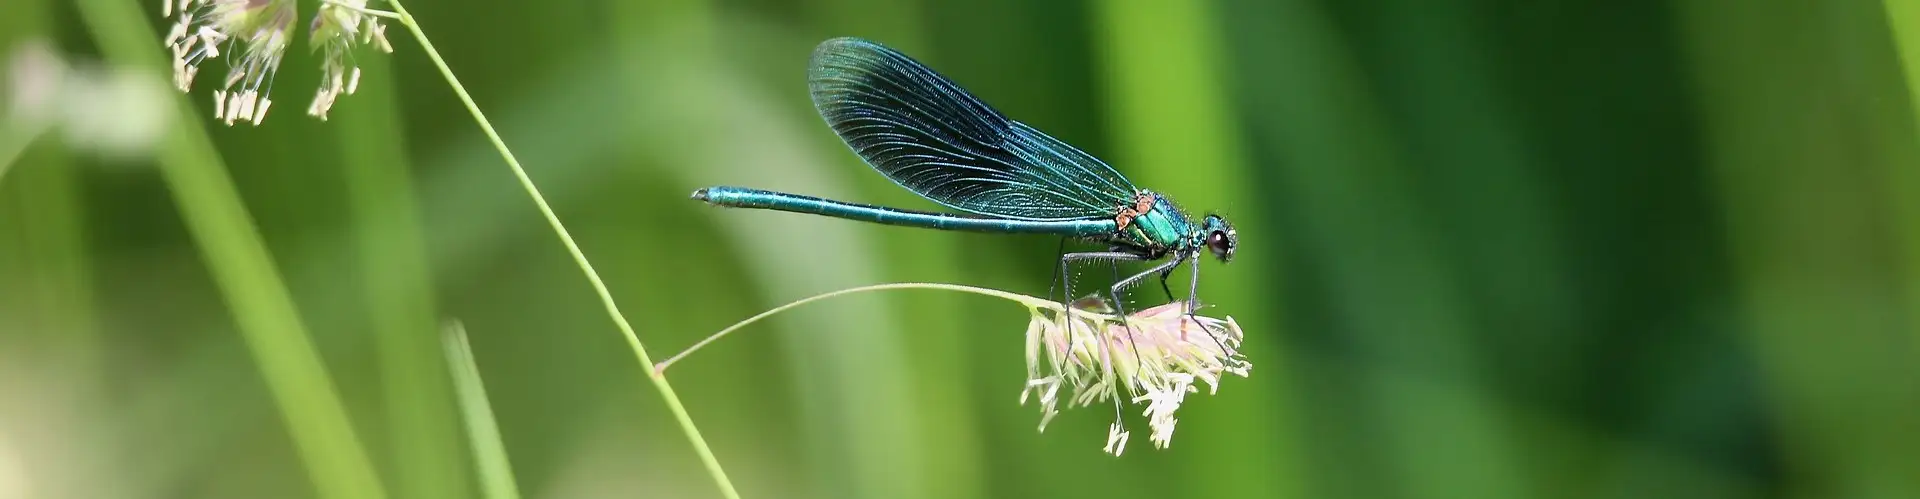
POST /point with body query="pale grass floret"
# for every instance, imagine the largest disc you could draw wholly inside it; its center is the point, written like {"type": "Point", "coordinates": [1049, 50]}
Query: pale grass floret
{"type": "Point", "coordinates": [337, 27]}
{"type": "Point", "coordinates": [254, 35]}
{"type": "Point", "coordinates": [1155, 359]}
{"type": "Point", "coordinates": [1116, 438]}
{"type": "Point", "coordinates": [259, 31]}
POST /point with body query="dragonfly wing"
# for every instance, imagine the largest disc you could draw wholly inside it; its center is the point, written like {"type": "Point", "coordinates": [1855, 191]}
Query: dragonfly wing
{"type": "Point", "coordinates": [929, 135]}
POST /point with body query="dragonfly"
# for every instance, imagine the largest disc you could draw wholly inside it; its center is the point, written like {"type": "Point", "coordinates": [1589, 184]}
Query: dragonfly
{"type": "Point", "coordinates": [925, 133]}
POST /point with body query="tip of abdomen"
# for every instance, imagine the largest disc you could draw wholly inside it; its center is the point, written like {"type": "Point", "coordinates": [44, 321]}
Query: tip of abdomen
{"type": "Point", "coordinates": [700, 194]}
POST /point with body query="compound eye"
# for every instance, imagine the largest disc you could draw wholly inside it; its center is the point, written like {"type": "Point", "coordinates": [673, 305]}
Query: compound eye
{"type": "Point", "coordinates": [1221, 245]}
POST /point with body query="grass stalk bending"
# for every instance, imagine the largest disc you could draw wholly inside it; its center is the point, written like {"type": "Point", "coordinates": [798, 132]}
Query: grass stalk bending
{"type": "Point", "coordinates": [579, 257]}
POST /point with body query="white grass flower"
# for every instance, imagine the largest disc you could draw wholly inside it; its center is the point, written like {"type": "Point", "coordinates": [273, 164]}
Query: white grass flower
{"type": "Point", "coordinates": [1155, 358]}
{"type": "Point", "coordinates": [337, 28]}
{"type": "Point", "coordinates": [253, 35]}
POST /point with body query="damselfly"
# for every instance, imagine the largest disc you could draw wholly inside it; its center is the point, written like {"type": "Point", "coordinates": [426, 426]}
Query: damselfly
{"type": "Point", "coordinates": [932, 137]}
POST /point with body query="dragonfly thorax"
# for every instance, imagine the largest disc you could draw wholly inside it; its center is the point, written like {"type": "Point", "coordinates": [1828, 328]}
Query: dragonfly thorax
{"type": "Point", "coordinates": [1160, 228]}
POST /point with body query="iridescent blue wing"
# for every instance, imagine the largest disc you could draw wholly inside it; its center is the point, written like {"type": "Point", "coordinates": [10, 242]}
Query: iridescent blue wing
{"type": "Point", "coordinates": [932, 137]}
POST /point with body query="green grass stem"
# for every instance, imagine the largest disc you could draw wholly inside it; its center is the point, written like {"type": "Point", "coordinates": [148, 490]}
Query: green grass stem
{"type": "Point", "coordinates": [489, 452]}
{"type": "Point", "coordinates": [244, 271]}
{"type": "Point", "coordinates": [397, 292]}
{"type": "Point", "coordinates": [674, 405]}
{"type": "Point", "coordinates": [1903, 17]}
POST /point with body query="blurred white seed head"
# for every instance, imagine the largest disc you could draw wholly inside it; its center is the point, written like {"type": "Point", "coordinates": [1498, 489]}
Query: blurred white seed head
{"type": "Point", "coordinates": [337, 28]}
{"type": "Point", "coordinates": [111, 111]}
{"type": "Point", "coordinates": [34, 75]}
{"type": "Point", "coordinates": [1154, 362]}
{"type": "Point", "coordinates": [252, 34]}
{"type": "Point", "coordinates": [116, 111]}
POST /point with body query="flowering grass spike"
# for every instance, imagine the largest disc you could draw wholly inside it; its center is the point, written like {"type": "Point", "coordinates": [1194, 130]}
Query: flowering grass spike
{"type": "Point", "coordinates": [257, 31]}
{"type": "Point", "coordinates": [337, 27]}
{"type": "Point", "coordinates": [253, 36]}
{"type": "Point", "coordinates": [1156, 357]}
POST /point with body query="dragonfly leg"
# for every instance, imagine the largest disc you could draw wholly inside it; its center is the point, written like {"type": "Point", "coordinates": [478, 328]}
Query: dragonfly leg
{"type": "Point", "coordinates": [1119, 308]}
{"type": "Point", "coordinates": [1167, 268]}
{"type": "Point", "coordinates": [1123, 284]}
{"type": "Point", "coordinates": [1193, 305]}
{"type": "Point", "coordinates": [1157, 269]}
{"type": "Point", "coordinates": [1066, 267]}
{"type": "Point", "coordinates": [1061, 271]}
{"type": "Point", "coordinates": [1193, 290]}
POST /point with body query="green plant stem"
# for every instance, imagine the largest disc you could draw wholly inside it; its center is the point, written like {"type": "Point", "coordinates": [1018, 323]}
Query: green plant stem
{"type": "Point", "coordinates": [396, 293]}
{"type": "Point", "coordinates": [244, 271]}
{"type": "Point", "coordinates": [661, 368]}
{"type": "Point", "coordinates": [599, 287]}
{"type": "Point", "coordinates": [1903, 17]}
{"type": "Point", "coordinates": [489, 453]}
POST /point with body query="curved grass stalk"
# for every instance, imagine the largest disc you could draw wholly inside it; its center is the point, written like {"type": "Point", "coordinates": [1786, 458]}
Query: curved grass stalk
{"type": "Point", "coordinates": [579, 257]}
{"type": "Point", "coordinates": [661, 368]}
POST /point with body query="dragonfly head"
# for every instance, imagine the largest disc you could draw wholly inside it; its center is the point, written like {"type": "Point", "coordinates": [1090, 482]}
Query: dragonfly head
{"type": "Point", "coordinates": [1219, 237]}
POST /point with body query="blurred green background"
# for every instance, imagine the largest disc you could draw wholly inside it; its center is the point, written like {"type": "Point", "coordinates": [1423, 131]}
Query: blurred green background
{"type": "Point", "coordinates": [1490, 249]}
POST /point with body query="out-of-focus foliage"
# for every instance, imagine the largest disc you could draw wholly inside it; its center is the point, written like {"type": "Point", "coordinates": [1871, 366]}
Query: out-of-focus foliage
{"type": "Point", "coordinates": [1488, 249]}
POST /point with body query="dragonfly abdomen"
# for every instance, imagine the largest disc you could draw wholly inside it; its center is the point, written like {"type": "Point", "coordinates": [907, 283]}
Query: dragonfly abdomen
{"type": "Point", "coordinates": [741, 197]}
